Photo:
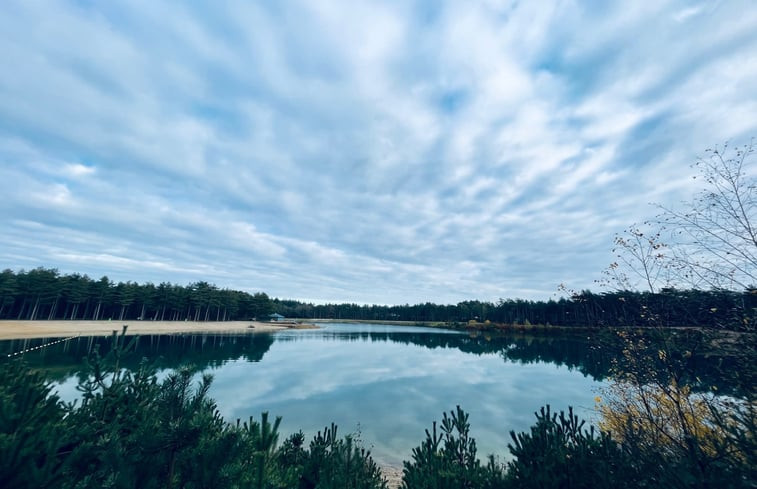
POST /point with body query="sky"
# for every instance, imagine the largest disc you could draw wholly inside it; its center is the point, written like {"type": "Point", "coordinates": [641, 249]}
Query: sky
{"type": "Point", "coordinates": [383, 152]}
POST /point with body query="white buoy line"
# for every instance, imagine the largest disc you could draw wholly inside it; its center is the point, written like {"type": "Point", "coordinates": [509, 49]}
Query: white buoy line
{"type": "Point", "coordinates": [41, 346]}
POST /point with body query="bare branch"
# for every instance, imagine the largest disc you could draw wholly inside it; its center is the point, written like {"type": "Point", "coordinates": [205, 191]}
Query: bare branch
{"type": "Point", "coordinates": [714, 240]}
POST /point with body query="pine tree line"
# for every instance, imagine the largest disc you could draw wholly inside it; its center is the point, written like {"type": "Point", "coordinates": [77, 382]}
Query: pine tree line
{"type": "Point", "coordinates": [723, 309]}
{"type": "Point", "coordinates": [45, 294]}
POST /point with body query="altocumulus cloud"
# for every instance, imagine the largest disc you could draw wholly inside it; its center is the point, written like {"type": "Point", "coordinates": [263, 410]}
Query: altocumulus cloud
{"type": "Point", "coordinates": [382, 152]}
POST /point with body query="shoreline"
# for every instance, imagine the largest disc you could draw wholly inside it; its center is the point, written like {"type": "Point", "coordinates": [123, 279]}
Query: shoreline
{"type": "Point", "coordinates": [18, 330]}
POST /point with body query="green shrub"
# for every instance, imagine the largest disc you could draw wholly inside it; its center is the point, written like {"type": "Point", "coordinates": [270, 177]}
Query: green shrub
{"type": "Point", "coordinates": [336, 463]}
{"type": "Point", "coordinates": [447, 459]}
{"type": "Point", "coordinates": [32, 432]}
{"type": "Point", "coordinates": [132, 431]}
{"type": "Point", "coordinates": [559, 452]}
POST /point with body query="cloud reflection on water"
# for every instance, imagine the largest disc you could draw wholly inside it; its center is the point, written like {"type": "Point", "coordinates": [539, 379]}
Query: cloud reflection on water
{"type": "Point", "coordinates": [392, 391]}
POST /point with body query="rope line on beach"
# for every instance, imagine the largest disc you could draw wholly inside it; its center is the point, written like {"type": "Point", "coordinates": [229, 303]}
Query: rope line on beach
{"type": "Point", "coordinates": [41, 346]}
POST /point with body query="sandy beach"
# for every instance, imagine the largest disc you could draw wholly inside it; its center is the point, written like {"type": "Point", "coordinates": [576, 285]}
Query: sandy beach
{"type": "Point", "coordinates": [10, 330]}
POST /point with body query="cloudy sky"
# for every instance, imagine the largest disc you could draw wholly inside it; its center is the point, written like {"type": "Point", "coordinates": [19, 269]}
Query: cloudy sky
{"type": "Point", "coordinates": [375, 152]}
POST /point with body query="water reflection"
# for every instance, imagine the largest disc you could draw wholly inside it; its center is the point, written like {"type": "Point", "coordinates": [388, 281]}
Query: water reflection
{"type": "Point", "coordinates": [594, 353]}
{"type": "Point", "coordinates": [390, 386]}
{"type": "Point", "coordinates": [573, 351]}
{"type": "Point", "coordinates": [386, 382]}
{"type": "Point", "coordinates": [201, 351]}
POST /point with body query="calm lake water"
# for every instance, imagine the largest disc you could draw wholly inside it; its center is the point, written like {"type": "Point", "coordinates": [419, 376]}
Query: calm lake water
{"type": "Point", "coordinates": [386, 382]}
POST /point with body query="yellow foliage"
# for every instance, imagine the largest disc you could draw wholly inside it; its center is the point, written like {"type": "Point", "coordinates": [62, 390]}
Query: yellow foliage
{"type": "Point", "coordinates": [660, 416]}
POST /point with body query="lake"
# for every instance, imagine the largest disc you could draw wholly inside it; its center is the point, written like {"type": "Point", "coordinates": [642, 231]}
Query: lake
{"type": "Point", "coordinates": [387, 383]}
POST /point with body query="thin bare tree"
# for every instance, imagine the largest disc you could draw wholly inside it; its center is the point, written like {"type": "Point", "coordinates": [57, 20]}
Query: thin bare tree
{"type": "Point", "coordinates": [714, 239]}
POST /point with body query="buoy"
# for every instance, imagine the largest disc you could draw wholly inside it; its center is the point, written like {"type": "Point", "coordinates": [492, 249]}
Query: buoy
{"type": "Point", "coordinates": [41, 346]}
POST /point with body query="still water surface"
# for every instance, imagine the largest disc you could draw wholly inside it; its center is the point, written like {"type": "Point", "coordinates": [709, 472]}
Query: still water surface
{"type": "Point", "coordinates": [386, 382]}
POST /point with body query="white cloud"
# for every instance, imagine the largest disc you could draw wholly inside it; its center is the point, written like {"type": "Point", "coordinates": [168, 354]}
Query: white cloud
{"type": "Point", "coordinates": [684, 14]}
{"type": "Point", "coordinates": [363, 152]}
{"type": "Point", "coordinates": [76, 170]}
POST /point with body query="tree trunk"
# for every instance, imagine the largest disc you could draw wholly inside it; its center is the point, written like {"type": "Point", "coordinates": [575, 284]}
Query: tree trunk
{"type": "Point", "coordinates": [53, 310]}
{"type": "Point", "coordinates": [33, 314]}
{"type": "Point", "coordinates": [23, 307]}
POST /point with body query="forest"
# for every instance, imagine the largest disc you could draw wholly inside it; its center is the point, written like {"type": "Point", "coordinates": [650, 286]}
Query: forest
{"type": "Point", "coordinates": [46, 294]}
{"type": "Point", "coordinates": [669, 307]}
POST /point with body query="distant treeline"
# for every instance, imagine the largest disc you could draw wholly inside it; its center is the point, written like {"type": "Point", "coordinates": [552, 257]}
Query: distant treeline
{"type": "Point", "coordinates": [670, 308]}
{"type": "Point", "coordinates": [46, 294]}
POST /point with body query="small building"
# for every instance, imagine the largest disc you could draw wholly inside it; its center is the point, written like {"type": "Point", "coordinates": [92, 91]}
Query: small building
{"type": "Point", "coordinates": [275, 317]}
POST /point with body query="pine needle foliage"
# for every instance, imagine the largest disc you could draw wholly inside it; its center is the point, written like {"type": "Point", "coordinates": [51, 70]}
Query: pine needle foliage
{"type": "Point", "coordinates": [31, 429]}
{"type": "Point", "coordinates": [447, 458]}
{"type": "Point", "coordinates": [132, 431]}
{"type": "Point", "coordinates": [559, 451]}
